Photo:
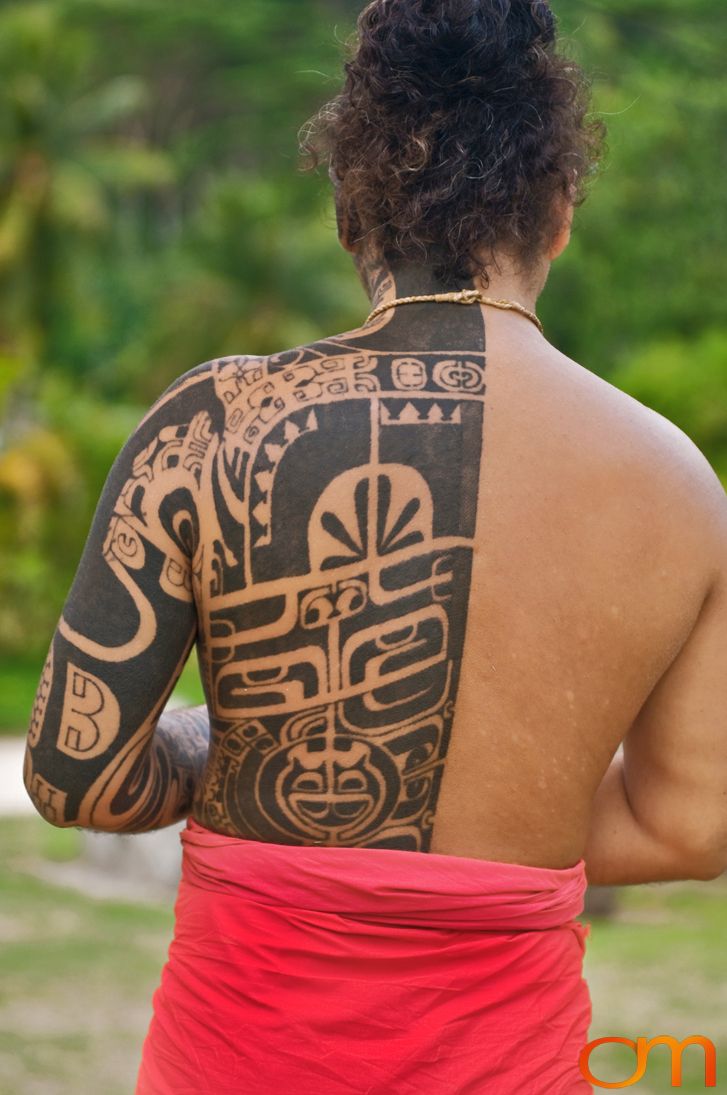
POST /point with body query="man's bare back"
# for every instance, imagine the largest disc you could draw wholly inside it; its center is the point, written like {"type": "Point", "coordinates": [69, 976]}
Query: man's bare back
{"type": "Point", "coordinates": [597, 541]}
{"type": "Point", "coordinates": [331, 643]}
{"type": "Point", "coordinates": [601, 531]}
{"type": "Point", "coordinates": [436, 574]}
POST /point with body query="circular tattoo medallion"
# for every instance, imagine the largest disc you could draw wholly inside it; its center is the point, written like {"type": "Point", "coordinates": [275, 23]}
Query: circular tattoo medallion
{"type": "Point", "coordinates": [331, 788]}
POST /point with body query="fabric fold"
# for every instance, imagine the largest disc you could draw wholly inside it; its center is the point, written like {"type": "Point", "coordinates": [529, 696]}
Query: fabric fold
{"type": "Point", "coordinates": [367, 971]}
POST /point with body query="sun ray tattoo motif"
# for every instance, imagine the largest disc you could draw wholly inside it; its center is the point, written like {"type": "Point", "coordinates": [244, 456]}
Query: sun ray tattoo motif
{"type": "Point", "coordinates": [308, 521]}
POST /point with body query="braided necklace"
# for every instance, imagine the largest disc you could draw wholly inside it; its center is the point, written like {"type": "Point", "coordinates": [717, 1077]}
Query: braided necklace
{"type": "Point", "coordinates": [465, 296]}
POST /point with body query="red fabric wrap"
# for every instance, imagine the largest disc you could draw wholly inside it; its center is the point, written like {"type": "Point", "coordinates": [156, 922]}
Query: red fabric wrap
{"type": "Point", "coordinates": [364, 971]}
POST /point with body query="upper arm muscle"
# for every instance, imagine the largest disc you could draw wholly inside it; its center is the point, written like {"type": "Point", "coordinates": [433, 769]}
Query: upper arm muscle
{"type": "Point", "coordinates": [675, 754]}
{"type": "Point", "coordinates": [127, 627]}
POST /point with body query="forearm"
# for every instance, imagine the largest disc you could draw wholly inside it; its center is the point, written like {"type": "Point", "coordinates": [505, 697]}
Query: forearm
{"type": "Point", "coordinates": [161, 790]}
{"type": "Point", "coordinates": [183, 735]}
{"type": "Point", "coordinates": [620, 851]}
{"type": "Point", "coordinates": [177, 758]}
{"type": "Point", "coordinates": [179, 748]}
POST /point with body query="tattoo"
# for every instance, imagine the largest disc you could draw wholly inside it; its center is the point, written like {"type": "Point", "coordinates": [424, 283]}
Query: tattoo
{"type": "Point", "coordinates": [333, 627]}
{"type": "Point", "coordinates": [375, 275]}
{"type": "Point", "coordinates": [100, 754]}
{"type": "Point", "coordinates": [185, 736]}
{"type": "Point", "coordinates": [159, 786]}
{"type": "Point", "coordinates": [309, 520]}
{"type": "Point", "coordinates": [171, 773]}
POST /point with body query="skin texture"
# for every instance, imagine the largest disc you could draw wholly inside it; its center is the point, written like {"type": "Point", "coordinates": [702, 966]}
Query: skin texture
{"type": "Point", "coordinates": [434, 571]}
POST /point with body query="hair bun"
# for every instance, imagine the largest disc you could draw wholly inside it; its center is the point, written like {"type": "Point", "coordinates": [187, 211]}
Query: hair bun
{"type": "Point", "coordinates": [465, 42]}
{"type": "Point", "coordinates": [535, 20]}
{"type": "Point", "coordinates": [494, 26]}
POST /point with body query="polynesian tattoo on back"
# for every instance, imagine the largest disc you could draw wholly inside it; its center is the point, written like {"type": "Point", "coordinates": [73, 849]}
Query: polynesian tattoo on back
{"type": "Point", "coordinates": [308, 520]}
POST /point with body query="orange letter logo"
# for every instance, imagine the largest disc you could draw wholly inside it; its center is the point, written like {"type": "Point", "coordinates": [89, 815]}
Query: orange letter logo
{"type": "Point", "coordinates": [642, 1047]}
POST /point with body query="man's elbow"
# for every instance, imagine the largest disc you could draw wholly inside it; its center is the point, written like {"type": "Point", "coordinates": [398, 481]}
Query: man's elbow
{"type": "Point", "coordinates": [50, 801]}
{"type": "Point", "coordinates": [691, 840]}
{"type": "Point", "coordinates": [48, 811]}
{"type": "Point", "coordinates": [60, 820]}
{"type": "Point", "coordinates": [710, 868]}
{"type": "Point", "coordinates": [704, 860]}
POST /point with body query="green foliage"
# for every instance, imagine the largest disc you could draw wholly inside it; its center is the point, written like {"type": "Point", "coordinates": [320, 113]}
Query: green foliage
{"type": "Point", "coordinates": [19, 677]}
{"type": "Point", "coordinates": [648, 254]}
{"type": "Point", "coordinates": [152, 216]}
{"type": "Point", "coordinates": [686, 381]}
{"type": "Point", "coordinates": [61, 135]}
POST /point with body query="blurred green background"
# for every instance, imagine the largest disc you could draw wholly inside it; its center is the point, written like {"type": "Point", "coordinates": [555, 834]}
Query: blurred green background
{"type": "Point", "coordinates": [153, 216]}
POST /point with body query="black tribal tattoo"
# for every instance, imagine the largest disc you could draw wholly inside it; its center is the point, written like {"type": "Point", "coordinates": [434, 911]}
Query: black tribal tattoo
{"type": "Point", "coordinates": [307, 520]}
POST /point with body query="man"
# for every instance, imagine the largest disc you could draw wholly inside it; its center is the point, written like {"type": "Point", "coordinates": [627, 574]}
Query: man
{"type": "Point", "coordinates": [436, 574]}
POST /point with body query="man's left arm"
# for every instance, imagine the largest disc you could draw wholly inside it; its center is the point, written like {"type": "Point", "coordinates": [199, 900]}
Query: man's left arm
{"type": "Point", "coordinates": [100, 752]}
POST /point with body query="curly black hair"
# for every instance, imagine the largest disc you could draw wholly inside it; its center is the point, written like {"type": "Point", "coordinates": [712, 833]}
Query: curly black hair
{"type": "Point", "coordinates": [458, 124]}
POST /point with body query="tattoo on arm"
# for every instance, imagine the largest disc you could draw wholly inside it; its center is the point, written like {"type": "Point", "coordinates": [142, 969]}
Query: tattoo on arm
{"type": "Point", "coordinates": [181, 742]}
{"type": "Point", "coordinates": [101, 754]}
{"type": "Point", "coordinates": [169, 773]}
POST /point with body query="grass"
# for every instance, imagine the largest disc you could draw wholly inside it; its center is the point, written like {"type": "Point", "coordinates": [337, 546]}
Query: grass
{"type": "Point", "coordinates": [19, 680]}
{"type": "Point", "coordinates": [660, 967]}
{"type": "Point", "coordinates": [77, 976]}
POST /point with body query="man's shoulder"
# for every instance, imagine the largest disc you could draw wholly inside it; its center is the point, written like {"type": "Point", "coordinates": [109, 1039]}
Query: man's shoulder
{"type": "Point", "coordinates": [208, 388]}
{"type": "Point", "coordinates": [244, 372]}
{"type": "Point", "coordinates": [207, 375]}
{"type": "Point", "coordinates": [240, 392]}
{"type": "Point", "coordinates": [661, 469]}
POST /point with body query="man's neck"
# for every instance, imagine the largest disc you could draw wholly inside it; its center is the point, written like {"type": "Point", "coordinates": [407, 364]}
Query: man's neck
{"type": "Point", "coordinates": [385, 282]}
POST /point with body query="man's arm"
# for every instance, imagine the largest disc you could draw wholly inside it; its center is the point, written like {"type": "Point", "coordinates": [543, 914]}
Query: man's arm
{"type": "Point", "coordinates": [660, 813]}
{"type": "Point", "coordinates": [181, 743]}
{"type": "Point", "coordinates": [100, 752]}
{"type": "Point", "coordinates": [622, 852]}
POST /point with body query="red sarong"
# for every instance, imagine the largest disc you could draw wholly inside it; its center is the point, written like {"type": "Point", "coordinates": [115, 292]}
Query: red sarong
{"type": "Point", "coordinates": [364, 971]}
